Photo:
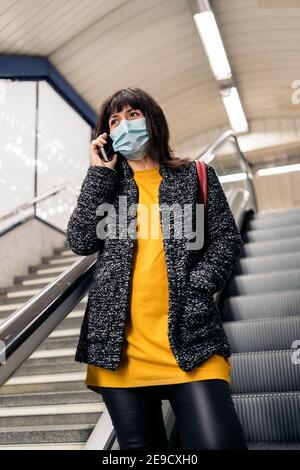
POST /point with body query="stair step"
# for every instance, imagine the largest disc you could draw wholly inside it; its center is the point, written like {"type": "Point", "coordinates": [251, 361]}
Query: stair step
{"type": "Point", "coordinates": [264, 371]}
{"type": "Point", "coordinates": [59, 260]}
{"type": "Point", "coordinates": [56, 367]}
{"type": "Point", "coordinates": [10, 307]}
{"type": "Point", "coordinates": [52, 353]}
{"type": "Point", "coordinates": [243, 284]}
{"type": "Point", "coordinates": [269, 304]}
{"type": "Point", "coordinates": [262, 334]}
{"type": "Point", "coordinates": [46, 415]}
{"type": "Point", "coordinates": [23, 291]}
{"type": "Point", "coordinates": [74, 315]}
{"type": "Point", "coordinates": [46, 446]}
{"type": "Point", "coordinates": [70, 323]}
{"type": "Point", "coordinates": [17, 288]}
{"type": "Point", "coordinates": [63, 252]}
{"type": "Point", "coordinates": [73, 381]}
{"type": "Point", "coordinates": [50, 398]}
{"type": "Point", "coordinates": [58, 343]}
{"type": "Point", "coordinates": [269, 417]}
{"type": "Point", "coordinates": [44, 269]}
{"type": "Point", "coordinates": [38, 281]}
{"type": "Point", "coordinates": [46, 434]}
{"type": "Point", "coordinates": [64, 332]}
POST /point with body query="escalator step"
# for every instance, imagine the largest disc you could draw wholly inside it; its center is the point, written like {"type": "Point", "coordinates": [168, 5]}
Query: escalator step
{"type": "Point", "coordinates": [276, 221]}
{"type": "Point", "coordinates": [264, 282]}
{"type": "Point", "coordinates": [272, 234]}
{"type": "Point", "coordinates": [269, 304]}
{"type": "Point", "coordinates": [264, 334]}
{"type": "Point", "coordinates": [269, 417]}
{"type": "Point", "coordinates": [265, 371]}
{"type": "Point", "coordinates": [282, 445]}
{"type": "Point", "coordinates": [276, 213]}
{"type": "Point", "coordinates": [275, 247]}
{"type": "Point", "coordinates": [269, 263]}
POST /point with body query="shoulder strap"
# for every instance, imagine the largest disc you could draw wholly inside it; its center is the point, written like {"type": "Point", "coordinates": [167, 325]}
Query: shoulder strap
{"type": "Point", "coordinates": [202, 178]}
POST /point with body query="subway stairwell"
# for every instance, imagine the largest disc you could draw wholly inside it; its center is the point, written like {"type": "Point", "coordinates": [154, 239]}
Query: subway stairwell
{"type": "Point", "coordinates": [45, 404]}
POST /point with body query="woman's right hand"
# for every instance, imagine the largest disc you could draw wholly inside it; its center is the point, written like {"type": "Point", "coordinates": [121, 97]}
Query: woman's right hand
{"type": "Point", "coordinates": [95, 159]}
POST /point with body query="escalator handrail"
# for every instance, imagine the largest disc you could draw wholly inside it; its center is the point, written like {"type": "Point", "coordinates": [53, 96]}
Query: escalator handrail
{"type": "Point", "coordinates": [223, 139]}
{"type": "Point", "coordinates": [27, 319]}
{"type": "Point", "coordinates": [26, 205]}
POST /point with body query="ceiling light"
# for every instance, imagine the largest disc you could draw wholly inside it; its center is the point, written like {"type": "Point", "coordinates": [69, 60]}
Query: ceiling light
{"type": "Point", "coordinates": [278, 169]}
{"type": "Point", "coordinates": [233, 177]}
{"type": "Point", "coordinates": [234, 109]}
{"type": "Point", "coordinates": [213, 45]}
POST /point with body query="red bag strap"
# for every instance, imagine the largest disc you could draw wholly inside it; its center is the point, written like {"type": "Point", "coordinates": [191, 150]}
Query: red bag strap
{"type": "Point", "coordinates": [202, 178]}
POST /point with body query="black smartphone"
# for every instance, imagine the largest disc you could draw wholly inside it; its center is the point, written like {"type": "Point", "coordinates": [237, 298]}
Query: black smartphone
{"type": "Point", "coordinates": [107, 151]}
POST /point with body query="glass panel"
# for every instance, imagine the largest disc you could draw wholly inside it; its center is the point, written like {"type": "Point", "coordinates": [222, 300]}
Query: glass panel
{"type": "Point", "coordinates": [17, 146]}
{"type": "Point", "coordinates": [227, 163]}
{"type": "Point", "coordinates": [63, 154]}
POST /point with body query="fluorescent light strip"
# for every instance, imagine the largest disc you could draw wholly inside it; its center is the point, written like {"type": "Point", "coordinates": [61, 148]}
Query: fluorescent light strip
{"type": "Point", "coordinates": [234, 110]}
{"type": "Point", "coordinates": [278, 170]}
{"type": "Point", "coordinates": [233, 177]}
{"type": "Point", "coordinates": [213, 45]}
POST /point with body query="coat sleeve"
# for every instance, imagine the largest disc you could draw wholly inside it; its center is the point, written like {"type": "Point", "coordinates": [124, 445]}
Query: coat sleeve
{"type": "Point", "coordinates": [98, 187]}
{"type": "Point", "coordinates": [223, 240]}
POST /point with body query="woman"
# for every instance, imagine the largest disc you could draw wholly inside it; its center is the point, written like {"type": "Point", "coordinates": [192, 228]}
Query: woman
{"type": "Point", "coordinates": [151, 329]}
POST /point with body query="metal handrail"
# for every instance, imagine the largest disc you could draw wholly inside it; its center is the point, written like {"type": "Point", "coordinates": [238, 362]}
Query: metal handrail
{"type": "Point", "coordinates": [24, 330]}
{"type": "Point", "coordinates": [231, 136]}
{"type": "Point", "coordinates": [31, 202]}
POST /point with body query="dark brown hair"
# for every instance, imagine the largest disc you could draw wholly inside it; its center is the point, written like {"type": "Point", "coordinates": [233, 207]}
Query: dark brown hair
{"type": "Point", "coordinates": [158, 131]}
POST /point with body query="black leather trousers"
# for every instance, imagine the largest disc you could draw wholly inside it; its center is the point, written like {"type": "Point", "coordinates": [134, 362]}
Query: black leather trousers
{"type": "Point", "coordinates": [204, 411]}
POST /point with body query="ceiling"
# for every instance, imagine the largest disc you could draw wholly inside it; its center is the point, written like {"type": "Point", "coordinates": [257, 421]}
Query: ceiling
{"type": "Point", "coordinates": [100, 46]}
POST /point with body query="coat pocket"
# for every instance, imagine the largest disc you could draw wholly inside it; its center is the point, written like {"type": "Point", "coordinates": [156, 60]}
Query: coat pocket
{"type": "Point", "coordinates": [196, 319]}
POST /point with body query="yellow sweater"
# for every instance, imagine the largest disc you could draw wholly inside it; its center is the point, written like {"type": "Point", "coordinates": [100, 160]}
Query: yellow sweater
{"type": "Point", "coordinates": [147, 358]}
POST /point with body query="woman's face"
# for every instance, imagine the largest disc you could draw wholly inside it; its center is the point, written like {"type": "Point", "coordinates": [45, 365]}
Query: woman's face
{"type": "Point", "coordinates": [127, 113]}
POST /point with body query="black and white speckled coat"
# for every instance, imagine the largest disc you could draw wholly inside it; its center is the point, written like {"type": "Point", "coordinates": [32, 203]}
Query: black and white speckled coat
{"type": "Point", "coordinates": [195, 329]}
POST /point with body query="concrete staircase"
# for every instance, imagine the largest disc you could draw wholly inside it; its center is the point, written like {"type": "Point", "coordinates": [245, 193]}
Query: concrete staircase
{"type": "Point", "coordinates": [45, 404]}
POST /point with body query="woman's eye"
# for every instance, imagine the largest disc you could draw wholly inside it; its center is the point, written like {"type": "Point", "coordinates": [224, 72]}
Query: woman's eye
{"type": "Point", "coordinates": [134, 112]}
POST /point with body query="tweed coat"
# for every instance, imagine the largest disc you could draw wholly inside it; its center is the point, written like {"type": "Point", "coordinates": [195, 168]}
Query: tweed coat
{"type": "Point", "coordinates": [195, 329]}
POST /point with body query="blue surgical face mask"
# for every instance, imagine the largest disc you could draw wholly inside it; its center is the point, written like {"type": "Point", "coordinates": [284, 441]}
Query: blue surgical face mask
{"type": "Point", "coordinates": [131, 139]}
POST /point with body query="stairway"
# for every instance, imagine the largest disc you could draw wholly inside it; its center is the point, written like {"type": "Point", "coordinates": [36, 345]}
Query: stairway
{"type": "Point", "coordinates": [45, 404]}
{"type": "Point", "coordinates": [261, 318]}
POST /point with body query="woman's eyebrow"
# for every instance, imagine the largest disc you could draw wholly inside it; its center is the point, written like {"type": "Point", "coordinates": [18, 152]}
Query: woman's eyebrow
{"type": "Point", "coordinates": [115, 115]}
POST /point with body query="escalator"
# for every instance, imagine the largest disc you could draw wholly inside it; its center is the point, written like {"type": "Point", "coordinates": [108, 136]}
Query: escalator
{"type": "Point", "coordinates": [260, 308]}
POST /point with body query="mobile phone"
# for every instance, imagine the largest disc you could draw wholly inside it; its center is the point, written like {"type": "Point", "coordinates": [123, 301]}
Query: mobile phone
{"type": "Point", "coordinates": [107, 151]}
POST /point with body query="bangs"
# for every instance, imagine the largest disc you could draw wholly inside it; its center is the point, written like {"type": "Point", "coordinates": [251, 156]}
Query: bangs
{"type": "Point", "coordinates": [122, 99]}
